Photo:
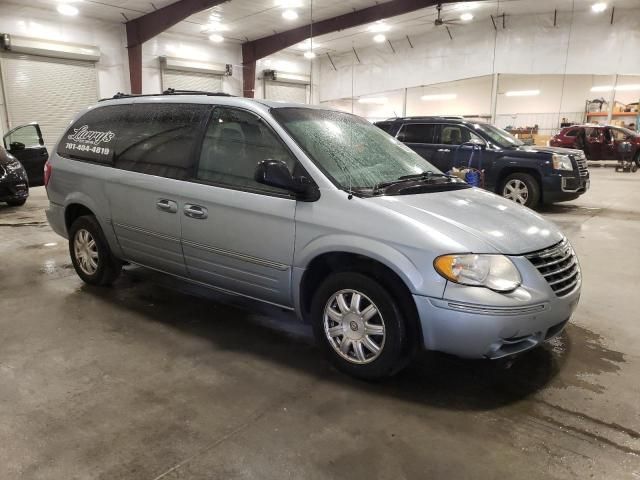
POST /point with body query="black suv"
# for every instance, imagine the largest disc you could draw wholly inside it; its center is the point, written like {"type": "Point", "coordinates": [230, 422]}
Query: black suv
{"type": "Point", "coordinates": [525, 174]}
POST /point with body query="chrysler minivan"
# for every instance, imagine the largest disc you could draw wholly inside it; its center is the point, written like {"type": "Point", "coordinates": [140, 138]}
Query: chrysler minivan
{"type": "Point", "coordinates": [316, 211]}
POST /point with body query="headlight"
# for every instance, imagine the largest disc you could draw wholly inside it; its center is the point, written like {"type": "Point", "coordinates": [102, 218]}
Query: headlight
{"type": "Point", "coordinates": [14, 167]}
{"type": "Point", "coordinates": [495, 272]}
{"type": "Point", "coordinates": [562, 162]}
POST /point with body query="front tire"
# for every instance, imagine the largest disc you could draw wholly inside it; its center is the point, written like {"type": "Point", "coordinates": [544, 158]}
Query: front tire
{"type": "Point", "coordinates": [359, 326]}
{"type": "Point", "coordinates": [90, 253]}
{"type": "Point", "coordinates": [521, 188]}
{"type": "Point", "coordinates": [17, 203]}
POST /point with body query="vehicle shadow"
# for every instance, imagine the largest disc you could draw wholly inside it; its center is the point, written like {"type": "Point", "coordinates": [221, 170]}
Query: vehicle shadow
{"type": "Point", "coordinates": [275, 336]}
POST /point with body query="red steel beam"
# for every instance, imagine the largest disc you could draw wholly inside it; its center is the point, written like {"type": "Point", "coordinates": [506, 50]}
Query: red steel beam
{"type": "Point", "coordinates": [143, 28]}
{"type": "Point", "coordinates": [262, 47]}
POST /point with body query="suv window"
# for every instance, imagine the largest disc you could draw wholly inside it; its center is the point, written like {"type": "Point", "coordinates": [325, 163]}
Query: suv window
{"type": "Point", "coordinates": [456, 135]}
{"type": "Point", "coordinates": [159, 139]}
{"type": "Point", "coordinates": [572, 133]}
{"type": "Point", "coordinates": [416, 133]}
{"type": "Point", "coordinates": [234, 143]}
{"type": "Point", "coordinates": [619, 135]}
{"type": "Point", "coordinates": [93, 136]}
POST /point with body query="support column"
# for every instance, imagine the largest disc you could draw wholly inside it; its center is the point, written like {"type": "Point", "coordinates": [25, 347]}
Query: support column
{"type": "Point", "coordinates": [135, 68]}
{"type": "Point", "coordinates": [249, 79]}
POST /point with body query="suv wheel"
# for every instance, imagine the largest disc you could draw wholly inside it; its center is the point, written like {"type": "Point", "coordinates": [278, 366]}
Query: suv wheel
{"type": "Point", "coordinates": [359, 325]}
{"type": "Point", "coordinates": [521, 188]}
{"type": "Point", "coordinates": [17, 203]}
{"type": "Point", "coordinates": [90, 253]}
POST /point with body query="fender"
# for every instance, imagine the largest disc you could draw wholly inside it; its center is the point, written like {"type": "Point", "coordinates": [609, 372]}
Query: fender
{"type": "Point", "coordinates": [81, 198]}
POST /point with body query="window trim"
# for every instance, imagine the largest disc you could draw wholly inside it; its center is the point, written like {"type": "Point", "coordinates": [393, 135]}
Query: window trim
{"type": "Point", "coordinates": [258, 191]}
{"type": "Point", "coordinates": [402, 127]}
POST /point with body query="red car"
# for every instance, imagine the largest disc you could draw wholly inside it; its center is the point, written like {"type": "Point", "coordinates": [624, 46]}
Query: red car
{"type": "Point", "coordinates": [599, 142]}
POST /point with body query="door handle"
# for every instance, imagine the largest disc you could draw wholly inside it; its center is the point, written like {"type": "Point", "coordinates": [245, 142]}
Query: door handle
{"type": "Point", "coordinates": [195, 211]}
{"type": "Point", "coordinates": [446, 150]}
{"type": "Point", "coordinates": [168, 206]}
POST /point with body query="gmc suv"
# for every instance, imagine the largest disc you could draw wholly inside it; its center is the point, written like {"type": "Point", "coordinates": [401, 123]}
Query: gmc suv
{"type": "Point", "coordinates": [528, 175]}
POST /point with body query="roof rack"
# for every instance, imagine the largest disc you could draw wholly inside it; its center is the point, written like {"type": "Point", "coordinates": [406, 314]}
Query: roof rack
{"type": "Point", "coordinates": [168, 91]}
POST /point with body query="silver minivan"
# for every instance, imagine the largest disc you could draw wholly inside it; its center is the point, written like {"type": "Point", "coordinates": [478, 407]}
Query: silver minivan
{"type": "Point", "coordinates": [316, 211]}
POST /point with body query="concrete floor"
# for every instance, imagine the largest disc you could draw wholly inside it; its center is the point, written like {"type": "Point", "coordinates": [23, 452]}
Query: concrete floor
{"type": "Point", "coordinates": [153, 379]}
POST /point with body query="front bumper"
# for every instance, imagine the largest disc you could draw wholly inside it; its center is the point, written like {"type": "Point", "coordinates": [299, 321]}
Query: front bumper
{"type": "Point", "coordinates": [562, 188]}
{"type": "Point", "coordinates": [475, 322]}
{"type": "Point", "coordinates": [13, 190]}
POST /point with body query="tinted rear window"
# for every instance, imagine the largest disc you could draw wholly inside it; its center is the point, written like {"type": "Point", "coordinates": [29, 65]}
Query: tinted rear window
{"type": "Point", "coordinates": [93, 137]}
{"type": "Point", "coordinates": [156, 139]}
{"type": "Point", "coordinates": [417, 133]}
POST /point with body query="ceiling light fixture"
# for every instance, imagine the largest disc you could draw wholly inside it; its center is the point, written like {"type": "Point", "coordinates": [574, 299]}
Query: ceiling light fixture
{"type": "Point", "coordinates": [379, 26]}
{"type": "Point", "coordinates": [66, 9]}
{"type": "Point", "coordinates": [216, 38]}
{"type": "Point", "coordinates": [290, 15]}
{"type": "Point", "coordinates": [439, 96]}
{"type": "Point", "coordinates": [466, 17]}
{"type": "Point", "coordinates": [373, 100]}
{"type": "Point", "coordinates": [602, 88]}
{"type": "Point", "coordinates": [522, 93]}
{"type": "Point", "coordinates": [628, 88]}
{"type": "Point", "coordinates": [309, 54]}
{"type": "Point", "coordinates": [379, 38]}
{"type": "Point", "coordinates": [599, 7]}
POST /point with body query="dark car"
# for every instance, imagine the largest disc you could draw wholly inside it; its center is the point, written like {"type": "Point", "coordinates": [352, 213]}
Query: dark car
{"type": "Point", "coordinates": [528, 175]}
{"type": "Point", "coordinates": [600, 142]}
{"type": "Point", "coordinates": [26, 144]}
{"type": "Point", "coordinates": [14, 186]}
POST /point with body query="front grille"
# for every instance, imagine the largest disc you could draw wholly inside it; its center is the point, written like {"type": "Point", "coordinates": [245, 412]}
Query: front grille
{"type": "Point", "coordinates": [559, 266]}
{"type": "Point", "coordinates": [581, 161]}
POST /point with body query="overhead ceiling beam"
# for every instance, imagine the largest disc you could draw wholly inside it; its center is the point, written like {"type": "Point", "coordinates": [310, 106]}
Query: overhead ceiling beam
{"type": "Point", "coordinates": [151, 24]}
{"type": "Point", "coordinates": [262, 47]}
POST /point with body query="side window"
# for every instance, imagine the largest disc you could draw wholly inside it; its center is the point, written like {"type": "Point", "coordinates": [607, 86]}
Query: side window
{"type": "Point", "coordinates": [572, 133]}
{"type": "Point", "coordinates": [93, 136]}
{"type": "Point", "coordinates": [455, 135]}
{"type": "Point", "coordinates": [23, 137]}
{"type": "Point", "coordinates": [234, 143]}
{"type": "Point", "coordinates": [159, 139]}
{"type": "Point", "coordinates": [416, 133]}
{"type": "Point", "coordinates": [619, 135]}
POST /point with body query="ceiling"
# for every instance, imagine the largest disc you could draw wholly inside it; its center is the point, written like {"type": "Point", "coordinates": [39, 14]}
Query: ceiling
{"type": "Point", "coordinates": [244, 20]}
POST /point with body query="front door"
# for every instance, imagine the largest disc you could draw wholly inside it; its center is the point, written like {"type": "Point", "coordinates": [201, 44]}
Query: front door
{"type": "Point", "coordinates": [237, 234]}
{"type": "Point", "coordinates": [26, 144]}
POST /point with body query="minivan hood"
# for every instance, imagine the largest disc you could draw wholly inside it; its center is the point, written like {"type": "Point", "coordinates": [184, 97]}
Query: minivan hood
{"type": "Point", "coordinates": [500, 225]}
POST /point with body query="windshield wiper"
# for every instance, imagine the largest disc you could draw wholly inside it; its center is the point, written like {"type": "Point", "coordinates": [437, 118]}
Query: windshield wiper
{"type": "Point", "coordinates": [426, 176]}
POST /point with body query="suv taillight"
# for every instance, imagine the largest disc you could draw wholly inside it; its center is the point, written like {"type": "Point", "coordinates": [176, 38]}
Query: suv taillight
{"type": "Point", "coordinates": [47, 172]}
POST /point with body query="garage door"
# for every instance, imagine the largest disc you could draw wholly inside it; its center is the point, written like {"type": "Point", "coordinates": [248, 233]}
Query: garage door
{"type": "Point", "coordinates": [285, 92]}
{"type": "Point", "coordinates": [179, 80]}
{"type": "Point", "coordinates": [48, 91]}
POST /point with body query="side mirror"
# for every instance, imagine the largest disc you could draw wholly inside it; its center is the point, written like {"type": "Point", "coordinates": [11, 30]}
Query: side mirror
{"type": "Point", "coordinates": [16, 146]}
{"type": "Point", "coordinates": [275, 173]}
{"type": "Point", "coordinates": [475, 143]}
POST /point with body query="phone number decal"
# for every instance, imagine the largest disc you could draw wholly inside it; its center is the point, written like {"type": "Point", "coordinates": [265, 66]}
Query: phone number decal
{"type": "Point", "coordinates": [88, 148]}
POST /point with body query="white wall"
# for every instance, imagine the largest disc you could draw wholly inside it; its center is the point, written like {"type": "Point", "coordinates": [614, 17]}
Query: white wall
{"type": "Point", "coordinates": [113, 66]}
{"type": "Point", "coordinates": [289, 63]}
{"type": "Point", "coordinates": [530, 44]}
{"type": "Point", "coordinates": [191, 48]}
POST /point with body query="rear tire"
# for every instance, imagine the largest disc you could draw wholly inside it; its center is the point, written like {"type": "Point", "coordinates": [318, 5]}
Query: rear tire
{"type": "Point", "coordinates": [16, 203]}
{"type": "Point", "coordinates": [521, 188]}
{"type": "Point", "coordinates": [366, 337]}
{"type": "Point", "coordinates": [90, 253]}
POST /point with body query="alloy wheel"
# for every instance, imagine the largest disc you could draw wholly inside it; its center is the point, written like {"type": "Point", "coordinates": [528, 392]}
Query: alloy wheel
{"type": "Point", "coordinates": [516, 190]}
{"type": "Point", "coordinates": [86, 251]}
{"type": "Point", "coordinates": [354, 326]}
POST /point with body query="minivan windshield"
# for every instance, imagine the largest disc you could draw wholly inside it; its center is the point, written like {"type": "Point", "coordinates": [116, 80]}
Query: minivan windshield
{"type": "Point", "coordinates": [498, 136]}
{"type": "Point", "coordinates": [354, 153]}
